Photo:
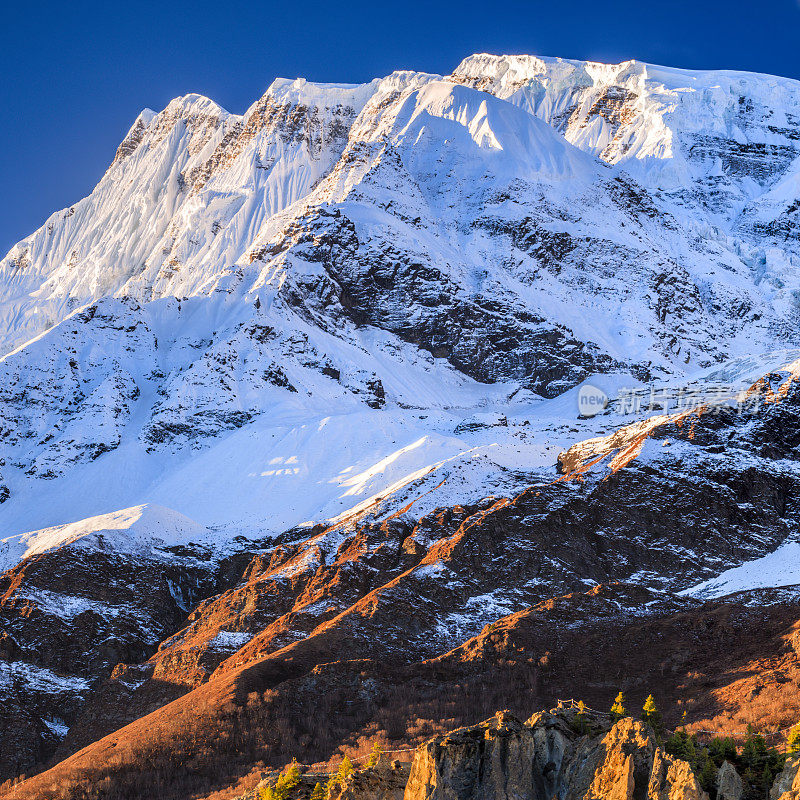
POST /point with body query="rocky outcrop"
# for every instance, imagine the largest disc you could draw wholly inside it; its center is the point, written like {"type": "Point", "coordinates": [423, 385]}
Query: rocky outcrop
{"type": "Point", "coordinates": [545, 758]}
{"type": "Point", "coordinates": [493, 760]}
{"type": "Point", "coordinates": [787, 784]}
{"type": "Point", "coordinates": [384, 781]}
{"type": "Point", "coordinates": [729, 783]}
{"type": "Point", "coordinates": [672, 779]}
{"type": "Point", "coordinates": [622, 763]}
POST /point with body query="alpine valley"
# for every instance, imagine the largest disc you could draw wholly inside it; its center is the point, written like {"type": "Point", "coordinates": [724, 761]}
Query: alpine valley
{"type": "Point", "coordinates": [292, 458]}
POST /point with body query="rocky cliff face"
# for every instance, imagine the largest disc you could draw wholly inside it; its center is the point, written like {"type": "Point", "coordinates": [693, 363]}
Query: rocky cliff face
{"type": "Point", "coordinates": [545, 758]}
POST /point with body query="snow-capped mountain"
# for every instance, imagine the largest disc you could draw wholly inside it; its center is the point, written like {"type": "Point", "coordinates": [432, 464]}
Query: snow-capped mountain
{"type": "Point", "coordinates": [415, 242]}
{"type": "Point", "coordinates": [300, 354]}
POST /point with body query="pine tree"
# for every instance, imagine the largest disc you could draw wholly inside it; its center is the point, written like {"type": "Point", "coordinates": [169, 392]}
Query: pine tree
{"type": "Point", "coordinates": [793, 742]}
{"type": "Point", "coordinates": [722, 749]}
{"type": "Point", "coordinates": [346, 769]}
{"type": "Point", "coordinates": [618, 709]}
{"type": "Point", "coordinates": [754, 750]}
{"type": "Point", "coordinates": [580, 722]}
{"type": "Point", "coordinates": [291, 779]}
{"type": "Point", "coordinates": [285, 784]}
{"type": "Point", "coordinates": [318, 793]}
{"type": "Point", "coordinates": [375, 756]}
{"type": "Point", "coordinates": [682, 746]}
{"type": "Point", "coordinates": [706, 774]}
{"type": "Point", "coordinates": [651, 715]}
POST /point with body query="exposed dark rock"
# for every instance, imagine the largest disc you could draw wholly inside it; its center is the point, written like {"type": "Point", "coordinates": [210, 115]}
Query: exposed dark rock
{"type": "Point", "coordinates": [68, 617]}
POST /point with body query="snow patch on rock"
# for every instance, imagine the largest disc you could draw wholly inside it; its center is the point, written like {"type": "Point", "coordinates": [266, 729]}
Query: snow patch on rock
{"type": "Point", "coordinates": [778, 569]}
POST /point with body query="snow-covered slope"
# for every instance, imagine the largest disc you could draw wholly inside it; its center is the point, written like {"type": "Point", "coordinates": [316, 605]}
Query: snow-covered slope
{"type": "Point", "coordinates": [718, 137]}
{"type": "Point", "coordinates": [129, 531]}
{"type": "Point", "coordinates": [189, 186]}
{"type": "Point", "coordinates": [777, 569]}
{"type": "Point", "coordinates": [721, 148]}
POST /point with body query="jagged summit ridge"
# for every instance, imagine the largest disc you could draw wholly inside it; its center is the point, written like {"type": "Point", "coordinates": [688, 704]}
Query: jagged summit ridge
{"type": "Point", "coordinates": [193, 187]}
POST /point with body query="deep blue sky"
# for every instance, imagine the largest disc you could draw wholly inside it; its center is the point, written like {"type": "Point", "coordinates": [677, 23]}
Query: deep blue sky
{"type": "Point", "coordinates": [74, 75]}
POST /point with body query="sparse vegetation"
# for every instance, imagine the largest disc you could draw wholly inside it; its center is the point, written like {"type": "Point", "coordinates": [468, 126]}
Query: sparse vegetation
{"type": "Point", "coordinates": [294, 720]}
